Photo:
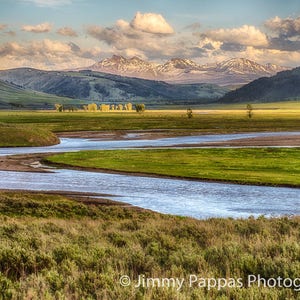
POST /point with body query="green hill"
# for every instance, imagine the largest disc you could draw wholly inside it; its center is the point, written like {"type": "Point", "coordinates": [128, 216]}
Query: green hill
{"type": "Point", "coordinates": [14, 96]}
{"type": "Point", "coordinates": [108, 88]}
{"type": "Point", "coordinates": [281, 87]}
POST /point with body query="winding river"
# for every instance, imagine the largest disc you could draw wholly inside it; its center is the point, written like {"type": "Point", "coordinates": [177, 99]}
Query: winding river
{"type": "Point", "coordinates": [172, 196]}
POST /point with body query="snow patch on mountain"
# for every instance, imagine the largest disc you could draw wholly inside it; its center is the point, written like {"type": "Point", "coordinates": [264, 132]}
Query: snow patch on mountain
{"type": "Point", "coordinates": [179, 70]}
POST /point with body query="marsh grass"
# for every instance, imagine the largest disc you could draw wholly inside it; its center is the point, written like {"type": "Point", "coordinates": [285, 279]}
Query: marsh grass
{"type": "Point", "coordinates": [54, 247]}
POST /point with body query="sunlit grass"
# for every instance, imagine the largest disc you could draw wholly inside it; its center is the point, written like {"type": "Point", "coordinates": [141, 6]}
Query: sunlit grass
{"type": "Point", "coordinates": [264, 166]}
{"type": "Point", "coordinates": [213, 121]}
{"type": "Point", "coordinates": [45, 254]}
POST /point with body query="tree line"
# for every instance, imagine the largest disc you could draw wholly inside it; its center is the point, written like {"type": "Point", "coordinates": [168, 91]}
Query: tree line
{"type": "Point", "coordinates": [102, 107]}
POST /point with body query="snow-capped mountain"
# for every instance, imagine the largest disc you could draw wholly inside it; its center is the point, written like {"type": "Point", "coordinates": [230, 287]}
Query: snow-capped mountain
{"type": "Point", "coordinates": [246, 66]}
{"type": "Point", "coordinates": [177, 65]}
{"type": "Point", "coordinates": [179, 70]}
{"type": "Point", "coordinates": [128, 67]}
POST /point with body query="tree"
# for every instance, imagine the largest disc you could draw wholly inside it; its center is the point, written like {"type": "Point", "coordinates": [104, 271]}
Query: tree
{"type": "Point", "coordinates": [59, 107]}
{"type": "Point", "coordinates": [140, 108]}
{"type": "Point", "coordinates": [92, 107]}
{"type": "Point", "coordinates": [104, 107]}
{"type": "Point", "coordinates": [189, 113]}
{"type": "Point", "coordinates": [128, 106]}
{"type": "Point", "coordinates": [249, 111]}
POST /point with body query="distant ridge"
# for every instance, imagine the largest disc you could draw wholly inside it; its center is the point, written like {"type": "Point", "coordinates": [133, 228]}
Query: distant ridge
{"type": "Point", "coordinates": [283, 86]}
{"type": "Point", "coordinates": [16, 97]}
{"type": "Point", "coordinates": [109, 88]}
{"type": "Point", "coordinates": [179, 70]}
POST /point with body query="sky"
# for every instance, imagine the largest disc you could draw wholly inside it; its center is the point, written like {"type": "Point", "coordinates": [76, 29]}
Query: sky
{"type": "Point", "coordinates": [67, 34]}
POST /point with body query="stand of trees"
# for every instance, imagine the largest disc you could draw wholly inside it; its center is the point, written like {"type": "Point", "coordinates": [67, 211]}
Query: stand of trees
{"type": "Point", "coordinates": [94, 107]}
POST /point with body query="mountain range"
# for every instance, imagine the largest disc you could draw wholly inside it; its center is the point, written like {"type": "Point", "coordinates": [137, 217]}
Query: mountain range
{"type": "Point", "coordinates": [235, 71]}
{"type": "Point", "coordinates": [32, 88]}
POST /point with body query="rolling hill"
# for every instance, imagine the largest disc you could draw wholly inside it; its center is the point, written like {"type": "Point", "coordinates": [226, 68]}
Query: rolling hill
{"type": "Point", "coordinates": [15, 97]}
{"type": "Point", "coordinates": [281, 87]}
{"type": "Point", "coordinates": [109, 88]}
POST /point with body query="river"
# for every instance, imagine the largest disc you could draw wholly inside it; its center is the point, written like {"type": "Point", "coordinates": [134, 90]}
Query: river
{"type": "Point", "coordinates": [171, 196]}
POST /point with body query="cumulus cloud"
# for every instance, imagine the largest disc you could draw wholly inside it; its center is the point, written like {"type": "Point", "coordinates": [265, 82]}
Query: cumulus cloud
{"type": "Point", "coordinates": [46, 54]}
{"type": "Point", "coordinates": [123, 39]}
{"type": "Point", "coordinates": [284, 44]}
{"type": "Point", "coordinates": [152, 23]}
{"type": "Point", "coordinates": [284, 27]}
{"type": "Point", "coordinates": [40, 28]}
{"type": "Point", "coordinates": [135, 37]}
{"type": "Point", "coordinates": [67, 31]}
{"type": "Point", "coordinates": [246, 35]}
{"type": "Point", "coordinates": [49, 3]}
{"type": "Point", "coordinates": [209, 44]}
{"type": "Point", "coordinates": [2, 26]}
{"type": "Point", "coordinates": [285, 33]}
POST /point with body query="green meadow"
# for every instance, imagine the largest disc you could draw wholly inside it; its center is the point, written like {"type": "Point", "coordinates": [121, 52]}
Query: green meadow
{"type": "Point", "coordinates": [203, 121]}
{"type": "Point", "coordinates": [263, 166]}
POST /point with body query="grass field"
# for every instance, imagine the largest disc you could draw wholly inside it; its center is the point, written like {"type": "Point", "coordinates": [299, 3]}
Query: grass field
{"type": "Point", "coordinates": [263, 166]}
{"type": "Point", "coordinates": [54, 247]}
{"type": "Point", "coordinates": [16, 136]}
{"type": "Point", "coordinates": [212, 121]}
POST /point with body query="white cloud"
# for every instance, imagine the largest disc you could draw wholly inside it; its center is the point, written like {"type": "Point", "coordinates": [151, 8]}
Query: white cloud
{"type": "Point", "coordinates": [147, 35]}
{"type": "Point", "coordinates": [49, 3]}
{"type": "Point", "coordinates": [208, 43]}
{"type": "Point", "coordinates": [67, 31]}
{"type": "Point", "coordinates": [46, 54]}
{"type": "Point", "coordinates": [2, 26]}
{"type": "Point", "coordinates": [152, 23]}
{"type": "Point", "coordinates": [40, 28]}
{"type": "Point", "coordinates": [246, 35]}
{"type": "Point", "coordinates": [279, 57]}
{"type": "Point", "coordinates": [287, 27]}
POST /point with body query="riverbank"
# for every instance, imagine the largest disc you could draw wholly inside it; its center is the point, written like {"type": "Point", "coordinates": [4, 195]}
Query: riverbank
{"type": "Point", "coordinates": [12, 135]}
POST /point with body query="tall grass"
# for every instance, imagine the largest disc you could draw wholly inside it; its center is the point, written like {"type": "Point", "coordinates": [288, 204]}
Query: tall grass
{"type": "Point", "coordinates": [54, 247]}
{"type": "Point", "coordinates": [17, 135]}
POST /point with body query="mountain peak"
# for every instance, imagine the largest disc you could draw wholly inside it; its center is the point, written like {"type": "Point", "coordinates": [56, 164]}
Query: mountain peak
{"type": "Point", "coordinates": [242, 66]}
{"type": "Point", "coordinates": [181, 70]}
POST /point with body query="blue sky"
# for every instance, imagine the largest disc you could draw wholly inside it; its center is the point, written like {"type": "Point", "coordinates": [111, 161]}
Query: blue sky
{"type": "Point", "coordinates": [58, 34]}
